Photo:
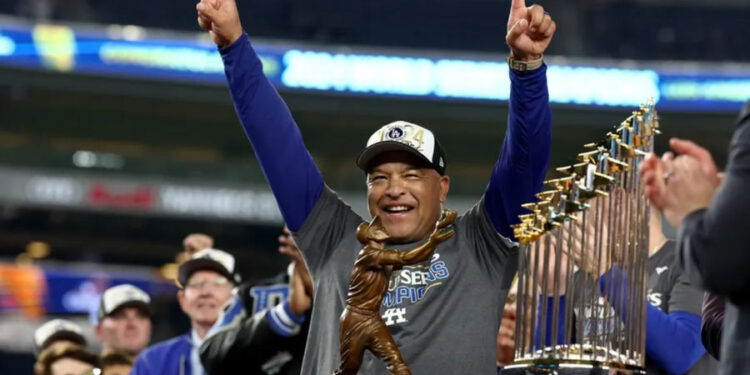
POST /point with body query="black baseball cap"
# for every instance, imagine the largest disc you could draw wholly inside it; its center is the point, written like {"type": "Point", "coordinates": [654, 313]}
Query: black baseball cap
{"type": "Point", "coordinates": [209, 259]}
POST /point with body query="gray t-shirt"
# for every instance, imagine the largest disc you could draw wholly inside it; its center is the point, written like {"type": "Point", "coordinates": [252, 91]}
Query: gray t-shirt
{"type": "Point", "coordinates": [443, 313]}
{"type": "Point", "coordinates": [668, 289]}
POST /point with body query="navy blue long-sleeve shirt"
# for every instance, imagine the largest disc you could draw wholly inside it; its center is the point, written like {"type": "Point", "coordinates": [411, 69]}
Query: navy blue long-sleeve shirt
{"type": "Point", "coordinates": [297, 183]}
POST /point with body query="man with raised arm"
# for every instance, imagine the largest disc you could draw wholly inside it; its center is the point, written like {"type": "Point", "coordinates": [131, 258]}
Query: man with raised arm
{"type": "Point", "coordinates": [443, 313]}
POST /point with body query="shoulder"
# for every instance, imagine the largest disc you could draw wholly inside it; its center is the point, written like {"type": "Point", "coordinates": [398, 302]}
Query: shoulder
{"type": "Point", "coordinates": [329, 211]}
{"type": "Point", "coordinates": [281, 278]}
{"type": "Point", "coordinates": [479, 227]}
{"type": "Point", "coordinates": [166, 348]}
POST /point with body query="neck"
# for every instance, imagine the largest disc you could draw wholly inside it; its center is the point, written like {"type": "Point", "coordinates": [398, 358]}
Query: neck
{"type": "Point", "coordinates": [201, 329]}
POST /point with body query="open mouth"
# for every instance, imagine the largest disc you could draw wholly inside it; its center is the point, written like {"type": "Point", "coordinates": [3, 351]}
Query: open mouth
{"type": "Point", "coordinates": [397, 209]}
{"type": "Point", "coordinates": [206, 306]}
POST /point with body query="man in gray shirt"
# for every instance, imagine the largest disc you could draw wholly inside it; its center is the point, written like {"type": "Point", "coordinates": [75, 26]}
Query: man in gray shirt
{"type": "Point", "coordinates": [443, 313]}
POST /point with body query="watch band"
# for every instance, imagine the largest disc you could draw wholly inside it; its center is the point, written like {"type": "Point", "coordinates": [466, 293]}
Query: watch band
{"type": "Point", "coordinates": [524, 66]}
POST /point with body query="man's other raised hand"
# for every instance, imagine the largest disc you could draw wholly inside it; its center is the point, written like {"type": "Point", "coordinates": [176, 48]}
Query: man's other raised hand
{"type": "Point", "coordinates": [221, 19]}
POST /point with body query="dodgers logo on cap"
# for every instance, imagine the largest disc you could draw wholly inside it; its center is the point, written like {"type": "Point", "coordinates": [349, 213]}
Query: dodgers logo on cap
{"type": "Point", "coordinates": [404, 136]}
{"type": "Point", "coordinates": [396, 133]}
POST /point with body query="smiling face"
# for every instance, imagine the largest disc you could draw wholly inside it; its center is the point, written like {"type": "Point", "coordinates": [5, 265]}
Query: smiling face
{"type": "Point", "coordinates": [204, 295]}
{"type": "Point", "coordinates": [406, 194]}
{"type": "Point", "coordinates": [126, 330]}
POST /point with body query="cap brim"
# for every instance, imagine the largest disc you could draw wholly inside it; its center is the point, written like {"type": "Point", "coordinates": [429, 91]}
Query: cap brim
{"type": "Point", "coordinates": [137, 304]}
{"type": "Point", "coordinates": [63, 335]}
{"type": "Point", "coordinates": [366, 156]}
{"type": "Point", "coordinates": [201, 264]}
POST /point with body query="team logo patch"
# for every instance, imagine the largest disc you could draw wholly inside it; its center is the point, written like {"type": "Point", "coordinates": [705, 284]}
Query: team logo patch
{"type": "Point", "coordinates": [396, 133]}
{"type": "Point", "coordinates": [393, 316]}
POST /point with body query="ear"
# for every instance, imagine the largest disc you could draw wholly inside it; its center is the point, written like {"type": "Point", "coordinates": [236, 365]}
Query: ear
{"type": "Point", "coordinates": [98, 331]}
{"type": "Point", "coordinates": [445, 186]}
{"type": "Point", "coordinates": [181, 300]}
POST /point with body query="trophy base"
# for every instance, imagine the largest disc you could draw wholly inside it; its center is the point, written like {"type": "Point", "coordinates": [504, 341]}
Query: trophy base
{"type": "Point", "coordinates": [568, 369]}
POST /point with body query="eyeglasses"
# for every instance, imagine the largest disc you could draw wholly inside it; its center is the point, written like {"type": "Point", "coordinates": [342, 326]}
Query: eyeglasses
{"type": "Point", "coordinates": [212, 283]}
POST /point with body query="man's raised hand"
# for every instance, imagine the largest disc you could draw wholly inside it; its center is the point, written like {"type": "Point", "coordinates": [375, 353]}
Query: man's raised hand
{"type": "Point", "coordinates": [530, 30]}
{"type": "Point", "coordinates": [221, 19]}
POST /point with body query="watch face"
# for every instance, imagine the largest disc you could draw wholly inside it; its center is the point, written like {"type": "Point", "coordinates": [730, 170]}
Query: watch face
{"type": "Point", "coordinates": [517, 65]}
{"type": "Point", "coordinates": [524, 66]}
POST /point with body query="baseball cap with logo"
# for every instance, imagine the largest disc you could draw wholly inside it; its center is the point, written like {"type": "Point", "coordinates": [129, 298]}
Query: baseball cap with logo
{"type": "Point", "coordinates": [57, 329]}
{"type": "Point", "coordinates": [124, 295]}
{"type": "Point", "coordinates": [215, 260]}
{"type": "Point", "coordinates": [404, 136]}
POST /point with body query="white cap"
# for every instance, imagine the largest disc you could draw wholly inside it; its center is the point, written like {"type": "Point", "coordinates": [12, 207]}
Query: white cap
{"type": "Point", "coordinates": [120, 296]}
{"type": "Point", "coordinates": [209, 259]}
{"type": "Point", "coordinates": [57, 329]}
{"type": "Point", "coordinates": [404, 136]}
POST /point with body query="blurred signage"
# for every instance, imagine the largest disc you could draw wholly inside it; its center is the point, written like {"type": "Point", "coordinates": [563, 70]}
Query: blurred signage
{"type": "Point", "coordinates": [34, 291]}
{"type": "Point", "coordinates": [100, 194]}
{"type": "Point", "coordinates": [22, 289]}
{"type": "Point", "coordinates": [71, 291]}
{"type": "Point", "coordinates": [88, 192]}
{"type": "Point", "coordinates": [119, 53]}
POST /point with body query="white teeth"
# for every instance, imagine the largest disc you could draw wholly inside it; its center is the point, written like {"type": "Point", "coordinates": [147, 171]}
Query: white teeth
{"type": "Point", "coordinates": [398, 209]}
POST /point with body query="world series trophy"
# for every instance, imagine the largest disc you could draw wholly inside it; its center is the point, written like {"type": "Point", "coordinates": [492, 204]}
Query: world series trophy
{"type": "Point", "coordinates": [581, 302]}
{"type": "Point", "coordinates": [361, 326]}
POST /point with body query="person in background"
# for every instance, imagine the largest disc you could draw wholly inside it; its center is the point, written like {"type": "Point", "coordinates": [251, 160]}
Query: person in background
{"type": "Point", "coordinates": [711, 214]}
{"type": "Point", "coordinates": [506, 335]}
{"type": "Point", "coordinates": [54, 333]}
{"type": "Point", "coordinates": [206, 282]}
{"type": "Point", "coordinates": [673, 319]}
{"type": "Point", "coordinates": [57, 332]}
{"type": "Point", "coordinates": [193, 243]}
{"type": "Point", "coordinates": [66, 359]}
{"type": "Point", "coordinates": [114, 363]}
{"type": "Point", "coordinates": [124, 320]}
{"type": "Point", "coordinates": [264, 328]}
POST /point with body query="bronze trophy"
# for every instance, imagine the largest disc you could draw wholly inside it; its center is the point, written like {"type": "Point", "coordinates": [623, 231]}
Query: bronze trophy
{"type": "Point", "coordinates": [361, 326]}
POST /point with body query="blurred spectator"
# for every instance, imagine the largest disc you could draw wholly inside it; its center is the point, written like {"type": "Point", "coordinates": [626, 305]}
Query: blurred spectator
{"type": "Point", "coordinates": [196, 242]}
{"type": "Point", "coordinates": [506, 335]}
{"type": "Point", "coordinates": [192, 244]}
{"type": "Point", "coordinates": [114, 363]}
{"type": "Point", "coordinates": [206, 282]}
{"type": "Point", "coordinates": [66, 359]}
{"type": "Point", "coordinates": [710, 211]}
{"type": "Point", "coordinates": [264, 329]}
{"type": "Point", "coordinates": [57, 332]}
{"type": "Point", "coordinates": [124, 320]}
